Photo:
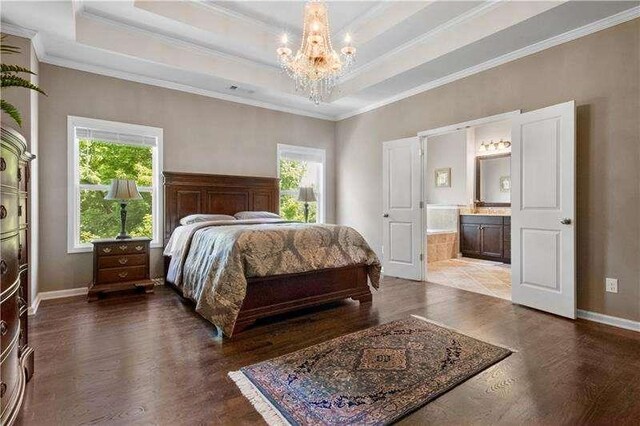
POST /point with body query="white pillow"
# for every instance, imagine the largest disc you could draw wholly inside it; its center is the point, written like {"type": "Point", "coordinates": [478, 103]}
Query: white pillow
{"type": "Point", "coordinates": [256, 215]}
{"type": "Point", "coordinates": [195, 218]}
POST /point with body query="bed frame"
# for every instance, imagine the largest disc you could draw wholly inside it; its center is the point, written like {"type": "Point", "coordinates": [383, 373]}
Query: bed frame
{"type": "Point", "coordinates": [190, 193]}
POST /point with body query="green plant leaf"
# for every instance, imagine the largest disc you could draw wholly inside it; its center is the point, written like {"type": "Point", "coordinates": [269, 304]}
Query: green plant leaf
{"type": "Point", "coordinates": [15, 81]}
{"type": "Point", "coordinates": [5, 68]}
{"type": "Point", "coordinates": [11, 111]}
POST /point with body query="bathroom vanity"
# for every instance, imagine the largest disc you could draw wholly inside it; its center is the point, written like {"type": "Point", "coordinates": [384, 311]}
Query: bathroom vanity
{"type": "Point", "coordinates": [486, 237]}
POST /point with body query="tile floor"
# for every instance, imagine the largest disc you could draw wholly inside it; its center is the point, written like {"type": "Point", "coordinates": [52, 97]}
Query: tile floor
{"type": "Point", "coordinates": [478, 276]}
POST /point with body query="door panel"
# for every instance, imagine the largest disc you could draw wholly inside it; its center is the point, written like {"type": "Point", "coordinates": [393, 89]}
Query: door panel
{"type": "Point", "coordinates": [543, 209]}
{"type": "Point", "coordinates": [470, 239]}
{"type": "Point", "coordinates": [401, 220]}
{"type": "Point", "coordinates": [491, 240]}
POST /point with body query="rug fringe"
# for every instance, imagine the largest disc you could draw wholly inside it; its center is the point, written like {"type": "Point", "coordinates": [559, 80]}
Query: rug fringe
{"type": "Point", "coordinates": [439, 324]}
{"type": "Point", "coordinates": [269, 413]}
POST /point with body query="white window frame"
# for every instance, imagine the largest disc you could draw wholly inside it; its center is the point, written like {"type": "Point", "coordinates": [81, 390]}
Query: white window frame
{"type": "Point", "coordinates": [73, 177]}
{"type": "Point", "coordinates": [314, 155]}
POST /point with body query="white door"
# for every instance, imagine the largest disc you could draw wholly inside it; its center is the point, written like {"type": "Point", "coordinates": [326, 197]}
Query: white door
{"type": "Point", "coordinates": [543, 209]}
{"type": "Point", "coordinates": [401, 235]}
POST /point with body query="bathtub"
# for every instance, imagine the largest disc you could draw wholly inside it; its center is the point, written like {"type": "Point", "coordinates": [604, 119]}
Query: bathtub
{"type": "Point", "coordinates": [442, 232]}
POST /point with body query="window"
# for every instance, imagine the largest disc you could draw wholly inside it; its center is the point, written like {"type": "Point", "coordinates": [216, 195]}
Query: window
{"type": "Point", "coordinates": [301, 167]}
{"type": "Point", "coordinates": [99, 151]}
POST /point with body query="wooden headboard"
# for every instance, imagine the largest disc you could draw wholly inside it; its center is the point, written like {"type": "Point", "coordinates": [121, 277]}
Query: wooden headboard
{"type": "Point", "coordinates": [190, 193]}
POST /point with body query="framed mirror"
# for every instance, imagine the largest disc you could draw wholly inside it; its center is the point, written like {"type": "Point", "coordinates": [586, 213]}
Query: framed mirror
{"type": "Point", "coordinates": [493, 180]}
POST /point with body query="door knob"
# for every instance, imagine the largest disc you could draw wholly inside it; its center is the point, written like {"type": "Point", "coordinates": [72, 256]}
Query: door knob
{"type": "Point", "coordinates": [385, 215]}
{"type": "Point", "coordinates": [565, 221]}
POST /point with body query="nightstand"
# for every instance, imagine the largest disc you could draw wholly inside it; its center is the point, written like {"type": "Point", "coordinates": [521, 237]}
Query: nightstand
{"type": "Point", "coordinates": [120, 265]}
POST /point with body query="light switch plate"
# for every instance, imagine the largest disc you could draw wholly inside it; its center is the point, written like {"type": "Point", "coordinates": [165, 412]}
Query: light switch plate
{"type": "Point", "coordinates": [611, 285]}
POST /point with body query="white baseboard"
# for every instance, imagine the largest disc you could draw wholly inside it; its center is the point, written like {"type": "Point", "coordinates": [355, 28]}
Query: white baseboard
{"type": "Point", "coordinates": [609, 320]}
{"type": "Point", "coordinates": [59, 294]}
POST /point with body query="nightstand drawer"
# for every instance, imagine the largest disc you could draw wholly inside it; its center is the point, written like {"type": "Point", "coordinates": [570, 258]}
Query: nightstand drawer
{"type": "Point", "coordinates": [130, 273]}
{"type": "Point", "coordinates": [121, 248]}
{"type": "Point", "coordinates": [122, 261]}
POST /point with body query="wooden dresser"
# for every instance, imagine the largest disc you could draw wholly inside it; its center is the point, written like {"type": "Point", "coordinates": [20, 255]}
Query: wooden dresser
{"type": "Point", "coordinates": [17, 357]}
{"type": "Point", "coordinates": [486, 237]}
{"type": "Point", "coordinates": [120, 265]}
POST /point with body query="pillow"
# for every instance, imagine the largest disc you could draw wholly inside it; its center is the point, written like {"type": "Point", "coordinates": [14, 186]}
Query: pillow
{"type": "Point", "coordinates": [195, 218]}
{"type": "Point", "coordinates": [256, 215]}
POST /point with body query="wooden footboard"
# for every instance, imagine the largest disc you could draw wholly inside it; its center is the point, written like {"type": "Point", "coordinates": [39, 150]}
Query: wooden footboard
{"type": "Point", "coordinates": [267, 296]}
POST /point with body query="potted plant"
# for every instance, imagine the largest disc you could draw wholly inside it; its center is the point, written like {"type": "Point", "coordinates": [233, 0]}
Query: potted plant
{"type": "Point", "coordinates": [10, 76]}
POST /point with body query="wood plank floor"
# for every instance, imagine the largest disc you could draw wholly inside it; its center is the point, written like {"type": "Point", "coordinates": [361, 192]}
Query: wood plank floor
{"type": "Point", "coordinates": [152, 360]}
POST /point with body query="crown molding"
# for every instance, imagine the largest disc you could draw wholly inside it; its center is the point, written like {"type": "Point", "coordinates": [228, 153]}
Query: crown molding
{"type": "Point", "coordinates": [178, 42]}
{"type": "Point", "coordinates": [571, 35]}
{"type": "Point", "coordinates": [17, 31]}
{"type": "Point", "coordinates": [66, 63]}
{"type": "Point", "coordinates": [273, 29]}
{"type": "Point", "coordinates": [460, 19]}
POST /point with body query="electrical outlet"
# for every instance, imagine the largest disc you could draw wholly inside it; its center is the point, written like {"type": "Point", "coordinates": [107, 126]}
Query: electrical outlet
{"type": "Point", "coordinates": [611, 285]}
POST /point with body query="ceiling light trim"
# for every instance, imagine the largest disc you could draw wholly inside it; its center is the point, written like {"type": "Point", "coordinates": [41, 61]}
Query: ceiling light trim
{"type": "Point", "coordinates": [568, 36]}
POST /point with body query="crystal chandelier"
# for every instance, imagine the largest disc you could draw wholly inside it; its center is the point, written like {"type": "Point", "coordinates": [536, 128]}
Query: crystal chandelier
{"type": "Point", "coordinates": [316, 67]}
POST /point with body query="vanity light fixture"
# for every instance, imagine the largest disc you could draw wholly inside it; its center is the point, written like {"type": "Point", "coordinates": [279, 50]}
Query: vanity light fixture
{"type": "Point", "coordinates": [494, 146]}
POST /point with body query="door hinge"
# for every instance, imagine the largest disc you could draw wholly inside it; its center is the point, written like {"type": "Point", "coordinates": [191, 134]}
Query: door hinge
{"type": "Point", "coordinates": [421, 152]}
{"type": "Point", "coordinates": [421, 256]}
{"type": "Point", "coordinates": [422, 204]}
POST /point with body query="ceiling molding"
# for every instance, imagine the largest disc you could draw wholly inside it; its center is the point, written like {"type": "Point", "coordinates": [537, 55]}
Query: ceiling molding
{"type": "Point", "coordinates": [66, 63]}
{"type": "Point", "coordinates": [178, 42]}
{"type": "Point", "coordinates": [275, 30]}
{"type": "Point", "coordinates": [36, 39]}
{"type": "Point", "coordinates": [571, 35]}
{"type": "Point", "coordinates": [460, 19]}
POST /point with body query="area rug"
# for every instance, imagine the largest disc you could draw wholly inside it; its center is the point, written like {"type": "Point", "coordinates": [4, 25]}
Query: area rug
{"type": "Point", "coordinates": [374, 376]}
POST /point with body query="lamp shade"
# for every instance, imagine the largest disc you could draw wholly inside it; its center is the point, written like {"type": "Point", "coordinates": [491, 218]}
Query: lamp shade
{"type": "Point", "coordinates": [306, 194]}
{"type": "Point", "coordinates": [123, 190]}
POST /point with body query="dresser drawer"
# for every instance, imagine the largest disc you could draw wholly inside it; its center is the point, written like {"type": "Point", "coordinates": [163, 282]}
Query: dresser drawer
{"type": "Point", "coordinates": [22, 210]}
{"type": "Point", "coordinates": [122, 261]}
{"type": "Point", "coordinates": [8, 167]}
{"type": "Point", "coordinates": [8, 212]}
{"type": "Point", "coordinates": [9, 320]}
{"type": "Point", "coordinates": [9, 376]}
{"type": "Point", "coordinates": [8, 261]}
{"type": "Point", "coordinates": [23, 247]}
{"type": "Point", "coordinates": [130, 273]}
{"type": "Point", "coordinates": [23, 169]}
{"type": "Point", "coordinates": [121, 248]}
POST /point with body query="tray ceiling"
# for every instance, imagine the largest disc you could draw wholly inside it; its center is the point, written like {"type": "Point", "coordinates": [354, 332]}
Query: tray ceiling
{"type": "Point", "coordinates": [207, 47]}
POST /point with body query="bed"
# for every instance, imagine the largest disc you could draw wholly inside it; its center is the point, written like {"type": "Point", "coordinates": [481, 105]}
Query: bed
{"type": "Point", "coordinates": [265, 295]}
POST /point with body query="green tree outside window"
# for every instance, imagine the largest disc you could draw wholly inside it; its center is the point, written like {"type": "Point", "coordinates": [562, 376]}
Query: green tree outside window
{"type": "Point", "coordinates": [101, 161]}
{"type": "Point", "coordinates": [291, 174]}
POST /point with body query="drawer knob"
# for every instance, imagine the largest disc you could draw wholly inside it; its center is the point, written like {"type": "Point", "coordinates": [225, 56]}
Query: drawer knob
{"type": "Point", "coordinates": [3, 267]}
{"type": "Point", "coordinates": [3, 388]}
{"type": "Point", "coordinates": [139, 248]}
{"type": "Point", "coordinates": [3, 164]}
{"type": "Point", "coordinates": [122, 247]}
{"type": "Point", "coordinates": [106, 250]}
{"type": "Point", "coordinates": [3, 212]}
{"type": "Point", "coordinates": [123, 274]}
{"type": "Point", "coordinates": [3, 328]}
{"type": "Point", "coordinates": [123, 260]}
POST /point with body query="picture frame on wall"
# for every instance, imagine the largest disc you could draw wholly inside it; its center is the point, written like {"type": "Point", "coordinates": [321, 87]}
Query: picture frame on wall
{"type": "Point", "coordinates": [443, 177]}
{"type": "Point", "coordinates": [505, 183]}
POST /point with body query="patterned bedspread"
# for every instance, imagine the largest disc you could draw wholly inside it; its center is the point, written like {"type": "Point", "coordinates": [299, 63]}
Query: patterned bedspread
{"type": "Point", "coordinates": [211, 261]}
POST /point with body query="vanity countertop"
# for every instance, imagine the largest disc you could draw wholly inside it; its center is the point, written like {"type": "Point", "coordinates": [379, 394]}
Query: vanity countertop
{"type": "Point", "coordinates": [485, 214]}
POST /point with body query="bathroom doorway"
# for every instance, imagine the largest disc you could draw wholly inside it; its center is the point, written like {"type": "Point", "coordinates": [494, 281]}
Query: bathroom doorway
{"type": "Point", "coordinates": [467, 186]}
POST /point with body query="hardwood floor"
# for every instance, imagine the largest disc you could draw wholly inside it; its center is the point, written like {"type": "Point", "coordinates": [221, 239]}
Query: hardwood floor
{"type": "Point", "coordinates": [152, 360]}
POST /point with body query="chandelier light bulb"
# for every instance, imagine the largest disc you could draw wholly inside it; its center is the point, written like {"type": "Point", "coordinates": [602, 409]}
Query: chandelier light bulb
{"type": "Point", "coordinates": [285, 38]}
{"type": "Point", "coordinates": [315, 26]}
{"type": "Point", "coordinates": [347, 38]}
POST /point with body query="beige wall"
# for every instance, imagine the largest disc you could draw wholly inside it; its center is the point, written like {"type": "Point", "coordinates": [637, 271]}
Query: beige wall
{"type": "Point", "coordinates": [602, 73]}
{"type": "Point", "coordinates": [200, 135]}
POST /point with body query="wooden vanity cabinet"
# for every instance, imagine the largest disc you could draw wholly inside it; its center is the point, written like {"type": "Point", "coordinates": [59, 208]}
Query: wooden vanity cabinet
{"type": "Point", "coordinates": [486, 237]}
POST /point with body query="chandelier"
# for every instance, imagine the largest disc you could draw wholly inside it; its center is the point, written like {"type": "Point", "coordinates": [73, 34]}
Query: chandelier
{"type": "Point", "coordinates": [316, 67]}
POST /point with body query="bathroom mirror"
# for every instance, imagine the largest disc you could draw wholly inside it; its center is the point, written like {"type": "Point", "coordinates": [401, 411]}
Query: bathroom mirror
{"type": "Point", "coordinates": [493, 180]}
